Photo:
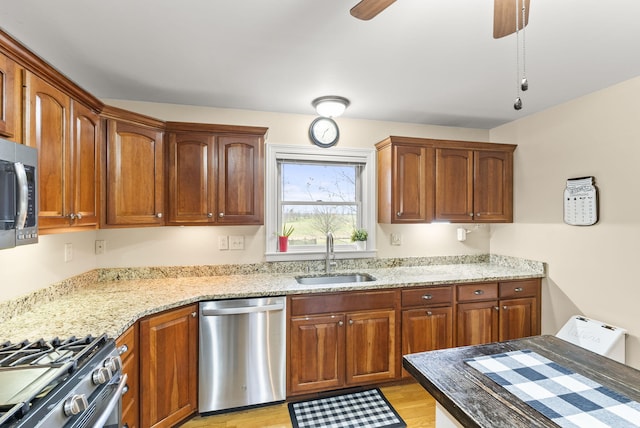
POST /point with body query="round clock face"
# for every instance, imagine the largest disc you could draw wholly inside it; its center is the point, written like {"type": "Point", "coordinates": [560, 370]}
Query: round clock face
{"type": "Point", "coordinates": [324, 132]}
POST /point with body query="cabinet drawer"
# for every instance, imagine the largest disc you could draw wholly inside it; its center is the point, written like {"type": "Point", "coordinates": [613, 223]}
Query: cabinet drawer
{"type": "Point", "coordinates": [515, 289]}
{"type": "Point", "coordinates": [127, 339]}
{"type": "Point", "coordinates": [342, 302]}
{"type": "Point", "coordinates": [427, 296]}
{"type": "Point", "coordinates": [472, 292]}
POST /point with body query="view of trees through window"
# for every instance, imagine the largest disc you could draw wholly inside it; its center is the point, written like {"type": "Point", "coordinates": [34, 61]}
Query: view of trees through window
{"type": "Point", "coordinates": [317, 198]}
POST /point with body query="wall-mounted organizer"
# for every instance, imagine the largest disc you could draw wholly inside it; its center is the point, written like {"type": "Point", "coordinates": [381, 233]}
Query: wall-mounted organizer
{"type": "Point", "coordinates": [581, 202]}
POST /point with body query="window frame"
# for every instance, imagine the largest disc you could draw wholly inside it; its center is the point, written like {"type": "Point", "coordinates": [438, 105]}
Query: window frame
{"type": "Point", "coordinates": [275, 152]}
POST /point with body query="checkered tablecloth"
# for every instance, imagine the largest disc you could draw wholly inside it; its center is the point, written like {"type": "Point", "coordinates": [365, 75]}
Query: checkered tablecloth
{"type": "Point", "coordinates": [567, 398]}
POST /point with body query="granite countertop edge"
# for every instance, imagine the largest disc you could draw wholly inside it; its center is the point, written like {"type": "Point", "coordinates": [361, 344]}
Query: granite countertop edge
{"type": "Point", "coordinates": [111, 307]}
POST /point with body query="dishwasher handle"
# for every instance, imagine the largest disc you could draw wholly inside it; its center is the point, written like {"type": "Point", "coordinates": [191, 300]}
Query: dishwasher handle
{"type": "Point", "coordinates": [237, 310]}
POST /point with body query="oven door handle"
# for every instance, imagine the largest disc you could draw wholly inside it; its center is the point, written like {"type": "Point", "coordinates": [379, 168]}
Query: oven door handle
{"type": "Point", "coordinates": [102, 420]}
{"type": "Point", "coordinates": [23, 195]}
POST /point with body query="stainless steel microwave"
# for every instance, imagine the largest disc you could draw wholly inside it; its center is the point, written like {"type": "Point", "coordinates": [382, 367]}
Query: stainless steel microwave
{"type": "Point", "coordinates": [18, 194]}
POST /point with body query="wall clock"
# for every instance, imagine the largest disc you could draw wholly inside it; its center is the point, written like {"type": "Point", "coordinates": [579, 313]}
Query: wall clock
{"type": "Point", "coordinates": [324, 132]}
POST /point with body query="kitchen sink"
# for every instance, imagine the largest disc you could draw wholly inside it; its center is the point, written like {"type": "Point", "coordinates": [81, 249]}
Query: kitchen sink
{"type": "Point", "coordinates": [334, 278]}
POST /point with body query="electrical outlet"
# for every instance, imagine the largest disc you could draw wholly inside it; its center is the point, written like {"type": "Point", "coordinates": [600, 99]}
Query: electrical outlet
{"type": "Point", "coordinates": [236, 242]}
{"type": "Point", "coordinates": [101, 246]}
{"type": "Point", "coordinates": [68, 252]}
{"type": "Point", "coordinates": [223, 243]}
{"type": "Point", "coordinates": [396, 239]}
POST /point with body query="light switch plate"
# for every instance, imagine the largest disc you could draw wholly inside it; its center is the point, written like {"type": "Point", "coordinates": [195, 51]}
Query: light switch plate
{"type": "Point", "coordinates": [396, 239]}
{"type": "Point", "coordinates": [223, 243]}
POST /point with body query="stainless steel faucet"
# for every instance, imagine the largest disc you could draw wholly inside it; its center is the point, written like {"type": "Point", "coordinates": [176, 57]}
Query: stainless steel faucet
{"type": "Point", "coordinates": [330, 257]}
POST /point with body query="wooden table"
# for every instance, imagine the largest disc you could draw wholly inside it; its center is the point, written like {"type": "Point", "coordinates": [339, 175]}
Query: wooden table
{"type": "Point", "coordinates": [474, 400]}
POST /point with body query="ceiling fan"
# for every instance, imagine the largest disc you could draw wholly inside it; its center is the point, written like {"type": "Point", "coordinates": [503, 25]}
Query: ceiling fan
{"type": "Point", "coordinates": [504, 14]}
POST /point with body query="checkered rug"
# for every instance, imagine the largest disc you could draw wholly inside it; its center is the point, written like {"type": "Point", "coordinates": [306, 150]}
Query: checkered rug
{"type": "Point", "coordinates": [368, 409]}
{"type": "Point", "coordinates": [567, 398]}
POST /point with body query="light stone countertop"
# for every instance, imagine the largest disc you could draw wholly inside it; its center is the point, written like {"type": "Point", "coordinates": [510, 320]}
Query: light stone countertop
{"type": "Point", "coordinates": [112, 306]}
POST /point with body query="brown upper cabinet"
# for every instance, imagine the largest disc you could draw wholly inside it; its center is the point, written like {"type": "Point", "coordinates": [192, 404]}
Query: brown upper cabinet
{"type": "Point", "coordinates": [66, 134]}
{"type": "Point", "coordinates": [422, 180]}
{"type": "Point", "coordinates": [474, 185]}
{"type": "Point", "coordinates": [134, 174]}
{"type": "Point", "coordinates": [405, 183]}
{"type": "Point", "coordinates": [215, 174]}
{"type": "Point", "coordinates": [10, 96]}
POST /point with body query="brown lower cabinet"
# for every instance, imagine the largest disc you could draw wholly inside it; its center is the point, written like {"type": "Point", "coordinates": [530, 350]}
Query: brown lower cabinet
{"type": "Point", "coordinates": [129, 353]}
{"type": "Point", "coordinates": [168, 367]}
{"type": "Point", "coordinates": [343, 339]}
{"type": "Point", "coordinates": [497, 311]}
{"type": "Point", "coordinates": [335, 340]}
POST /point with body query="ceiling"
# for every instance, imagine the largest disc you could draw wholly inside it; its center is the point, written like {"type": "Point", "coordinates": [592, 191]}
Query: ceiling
{"type": "Point", "coordinates": [419, 61]}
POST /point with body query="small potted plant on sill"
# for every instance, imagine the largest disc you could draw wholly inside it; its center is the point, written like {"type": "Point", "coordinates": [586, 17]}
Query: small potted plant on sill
{"type": "Point", "coordinates": [359, 236]}
{"type": "Point", "coordinates": [283, 239]}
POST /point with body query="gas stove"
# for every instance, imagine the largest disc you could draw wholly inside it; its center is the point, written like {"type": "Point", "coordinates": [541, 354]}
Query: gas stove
{"type": "Point", "coordinates": [75, 382]}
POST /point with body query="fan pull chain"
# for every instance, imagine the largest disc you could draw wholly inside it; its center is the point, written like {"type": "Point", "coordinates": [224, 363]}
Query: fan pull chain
{"type": "Point", "coordinates": [518, 103]}
{"type": "Point", "coordinates": [524, 85]}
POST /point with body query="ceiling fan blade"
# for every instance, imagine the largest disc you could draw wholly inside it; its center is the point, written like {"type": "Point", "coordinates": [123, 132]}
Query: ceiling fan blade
{"type": "Point", "coordinates": [504, 17]}
{"type": "Point", "coordinates": [368, 9]}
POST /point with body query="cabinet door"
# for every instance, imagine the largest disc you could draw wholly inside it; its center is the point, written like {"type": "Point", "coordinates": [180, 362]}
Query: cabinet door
{"type": "Point", "coordinates": [427, 329]}
{"type": "Point", "coordinates": [48, 116]}
{"type": "Point", "coordinates": [191, 178]}
{"type": "Point", "coordinates": [518, 318]}
{"type": "Point", "coordinates": [84, 165]}
{"type": "Point", "coordinates": [493, 186]}
{"type": "Point", "coordinates": [371, 350]}
{"type": "Point", "coordinates": [412, 184]}
{"type": "Point", "coordinates": [454, 185]}
{"type": "Point", "coordinates": [240, 180]}
{"type": "Point", "coordinates": [134, 175]}
{"type": "Point", "coordinates": [10, 95]}
{"type": "Point", "coordinates": [316, 355]}
{"type": "Point", "coordinates": [477, 323]}
{"type": "Point", "coordinates": [168, 367]}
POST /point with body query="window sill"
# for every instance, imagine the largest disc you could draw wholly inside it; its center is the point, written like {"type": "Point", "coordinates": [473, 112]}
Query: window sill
{"type": "Point", "coordinates": [317, 255]}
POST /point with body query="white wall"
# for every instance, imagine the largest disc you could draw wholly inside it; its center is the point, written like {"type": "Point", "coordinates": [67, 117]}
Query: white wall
{"type": "Point", "coordinates": [592, 270]}
{"type": "Point", "coordinates": [37, 266]}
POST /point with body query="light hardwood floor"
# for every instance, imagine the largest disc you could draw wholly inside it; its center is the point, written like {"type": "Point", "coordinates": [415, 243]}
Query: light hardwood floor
{"type": "Point", "coordinates": [410, 400]}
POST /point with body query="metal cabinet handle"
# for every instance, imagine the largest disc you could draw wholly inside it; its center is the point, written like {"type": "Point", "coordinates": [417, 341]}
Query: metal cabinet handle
{"type": "Point", "coordinates": [340, 323]}
{"type": "Point", "coordinates": [125, 389]}
{"type": "Point", "coordinates": [497, 308]}
{"type": "Point", "coordinates": [518, 289]}
{"type": "Point", "coordinates": [159, 215]}
{"type": "Point", "coordinates": [429, 313]}
{"type": "Point", "coordinates": [478, 292]}
{"type": "Point", "coordinates": [470, 214]}
{"type": "Point", "coordinates": [427, 297]}
{"type": "Point", "coordinates": [399, 214]}
{"type": "Point", "coordinates": [220, 215]}
{"type": "Point", "coordinates": [350, 322]}
{"type": "Point", "coordinates": [477, 214]}
{"type": "Point", "coordinates": [123, 349]}
{"type": "Point", "coordinates": [505, 308]}
{"type": "Point", "coordinates": [72, 216]}
{"type": "Point", "coordinates": [194, 314]}
{"type": "Point", "coordinates": [79, 216]}
{"type": "Point", "coordinates": [210, 215]}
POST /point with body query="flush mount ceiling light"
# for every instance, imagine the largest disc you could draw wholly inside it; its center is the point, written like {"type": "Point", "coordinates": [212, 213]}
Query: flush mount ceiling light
{"type": "Point", "coordinates": [330, 105]}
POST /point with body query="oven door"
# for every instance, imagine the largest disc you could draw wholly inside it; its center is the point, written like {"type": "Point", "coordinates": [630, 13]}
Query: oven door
{"type": "Point", "coordinates": [108, 406]}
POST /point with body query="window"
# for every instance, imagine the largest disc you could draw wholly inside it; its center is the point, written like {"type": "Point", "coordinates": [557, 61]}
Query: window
{"type": "Point", "coordinates": [316, 191]}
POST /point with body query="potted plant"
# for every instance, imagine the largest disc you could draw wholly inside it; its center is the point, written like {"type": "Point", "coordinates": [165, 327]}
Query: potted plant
{"type": "Point", "coordinates": [283, 239]}
{"type": "Point", "coordinates": [359, 236]}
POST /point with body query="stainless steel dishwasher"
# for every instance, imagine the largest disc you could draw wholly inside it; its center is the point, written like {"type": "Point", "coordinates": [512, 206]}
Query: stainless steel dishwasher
{"type": "Point", "coordinates": [242, 353]}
